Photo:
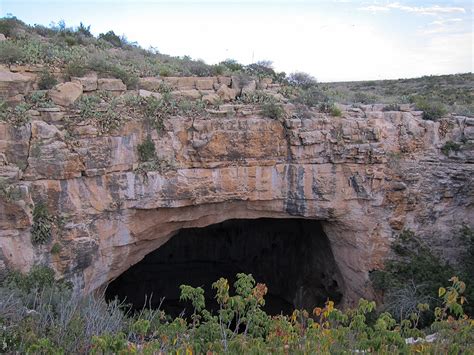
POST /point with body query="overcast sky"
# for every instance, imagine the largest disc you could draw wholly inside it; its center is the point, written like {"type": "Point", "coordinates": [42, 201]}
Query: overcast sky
{"type": "Point", "coordinates": [334, 40]}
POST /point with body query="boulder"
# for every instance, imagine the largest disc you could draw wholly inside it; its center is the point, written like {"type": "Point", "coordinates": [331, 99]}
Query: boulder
{"type": "Point", "coordinates": [189, 94]}
{"type": "Point", "coordinates": [186, 83]}
{"type": "Point", "coordinates": [211, 98]}
{"type": "Point", "coordinates": [111, 85]}
{"type": "Point", "coordinates": [66, 94]}
{"type": "Point", "coordinates": [205, 83]}
{"type": "Point", "coordinates": [224, 80]}
{"type": "Point", "coordinates": [89, 83]}
{"type": "Point", "coordinates": [150, 83]}
{"type": "Point", "coordinates": [146, 93]}
{"type": "Point", "coordinates": [226, 93]}
{"type": "Point", "coordinates": [2, 37]}
{"type": "Point", "coordinates": [12, 84]}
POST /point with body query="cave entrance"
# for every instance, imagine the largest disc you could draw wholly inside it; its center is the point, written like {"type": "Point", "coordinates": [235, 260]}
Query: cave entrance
{"type": "Point", "coordinates": [292, 257]}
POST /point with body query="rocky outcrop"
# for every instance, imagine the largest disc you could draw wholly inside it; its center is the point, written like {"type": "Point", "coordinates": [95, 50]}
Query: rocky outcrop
{"type": "Point", "coordinates": [366, 176]}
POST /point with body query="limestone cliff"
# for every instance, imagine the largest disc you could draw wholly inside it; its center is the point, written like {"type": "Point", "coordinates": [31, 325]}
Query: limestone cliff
{"type": "Point", "coordinates": [366, 176]}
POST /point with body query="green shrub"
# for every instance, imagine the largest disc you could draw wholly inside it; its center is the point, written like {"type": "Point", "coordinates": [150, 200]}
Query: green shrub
{"type": "Point", "coordinates": [302, 80]}
{"type": "Point", "coordinates": [146, 150]}
{"type": "Point", "coordinates": [232, 65]}
{"type": "Point", "coordinates": [16, 116]}
{"type": "Point", "coordinates": [42, 225]}
{"type": "Point", "coordinates": [431, 110]}
{"type": "Point", "coordinates": [39, 99]}
{"type": "Point", "coordinates": [414, 274]}
{"type": "Point", "coordinates": [273, 110]}
{"type": "Point", "coordinates": [9, 26]}
{"type": "Point", "coordinates": [56, 249]}
{"type": "Point", "coordinates": [391, 107]}
{"type": "Point", "coordinates": [449, 147]}
{"type": "Point", "coordinates": [112, 38]}
{"type": "Point", "coordinates": [365, 98]}
{"type": "Point", "coordinates": [76, 68]}
{"type": "Point", "coordinates": [46, 80]}
{"type": "Point", "coordinates": [312, 97]}
{"type": "Point", "coordinates": [11, 52]}
{"type": "Point", "coordinates": [335, 111]}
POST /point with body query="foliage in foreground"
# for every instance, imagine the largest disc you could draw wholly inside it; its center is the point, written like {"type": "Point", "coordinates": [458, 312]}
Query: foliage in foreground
{"type": "Point", "coordinates": [41, 315]}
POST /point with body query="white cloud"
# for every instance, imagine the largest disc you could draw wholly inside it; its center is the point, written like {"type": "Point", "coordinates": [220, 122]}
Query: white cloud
{"type": "Point", "coordinates": [421, 10]}
{"type": "Point", "coordinates": [445, 22]}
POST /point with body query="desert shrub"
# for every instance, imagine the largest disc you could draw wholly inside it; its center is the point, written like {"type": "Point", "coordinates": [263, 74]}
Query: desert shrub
{"type": "Point", "coordinates": [105, 67]}
{"type": "Point", "coordinates": [330, 108]}
{"type": "Point", "coordinates": [312, 97]}
{"type": "Point", "coordinates": [449, 147]}
{"type": "Point", "coordinates": [46, 80]}
{"type": "Point", "coordinates": [9, 25]}
{"type": "Point", "coordinates": [111, 38]}
{"type": "Point", "coordinates": [11, 52]}
{"type": "Point", "coordinates": [391, 107]}
{"type": "Point", "coordinates": [196, 68]}
{"type": "Point", "coordinates": [431, 110]}
{"type": "Point", "coordinates": [16, 116]}
{"type": "Point", "coordinates": [365, 98]}
{"type": "Point", "coordinates": [56, 249]}
{"type": "Point", "coordinates": [146, 150]}
{"type": "Point", "coordinates": [416, 273]}
{"type": "Point", "coordinates": [232, 65]}
{"type": "Point", "coordinates": [256, 97]}
{"type": "Point", "coordinates": [42, 225]}
{"type": "Point", "coordinates": [76, 68]}
{"type": "Point", "coordinates": [41, 314]}
{"type": "Point", "coordinates": [273, 110]}
{"type": "Point", "coordinates": [302, 80]}
{"type": "Point", "coordinates": [39, 99]}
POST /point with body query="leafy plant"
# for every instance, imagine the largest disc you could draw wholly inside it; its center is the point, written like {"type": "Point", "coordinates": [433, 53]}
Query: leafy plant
{"type": "Point", "coordinates": [42, 225]}
{"type": "Point", "coordinates": [449, 147]}
{"type": "Point", "coordinates": [146, 150]}
{"type": "Point", "coordinates": [431, 110]}
{"type": "Point", "coordinates": [273, 110]}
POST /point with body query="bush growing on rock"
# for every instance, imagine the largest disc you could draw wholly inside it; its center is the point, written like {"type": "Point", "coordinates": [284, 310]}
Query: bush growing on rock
{"type": "Point", "coordinates": [146, 150]}
{"type": "Point", "coordinates": [273, 110]}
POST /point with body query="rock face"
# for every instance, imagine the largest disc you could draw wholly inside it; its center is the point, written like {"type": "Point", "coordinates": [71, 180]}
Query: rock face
{"type": "Point", "coordinates": [365, 176]}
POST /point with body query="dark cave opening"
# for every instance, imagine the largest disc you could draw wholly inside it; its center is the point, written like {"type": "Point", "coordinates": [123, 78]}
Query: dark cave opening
{"type": "Point", "coordinates": [292, 257]}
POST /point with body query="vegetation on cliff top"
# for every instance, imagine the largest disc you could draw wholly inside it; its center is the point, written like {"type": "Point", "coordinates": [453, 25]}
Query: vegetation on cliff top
{"type": "Point", "coordinates": [77, 51]}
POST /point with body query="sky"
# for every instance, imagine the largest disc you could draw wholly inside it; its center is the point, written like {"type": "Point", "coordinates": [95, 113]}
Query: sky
{"type": "Point", "coordinates": [333, 40]}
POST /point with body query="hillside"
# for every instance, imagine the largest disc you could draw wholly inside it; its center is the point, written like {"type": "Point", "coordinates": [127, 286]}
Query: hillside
{"type": "Point", "coordinates": [75, 51]}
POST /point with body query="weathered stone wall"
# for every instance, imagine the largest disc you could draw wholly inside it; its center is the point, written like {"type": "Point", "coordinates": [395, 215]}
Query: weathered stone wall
{"type": "Point", "coordinates": [365, 176]}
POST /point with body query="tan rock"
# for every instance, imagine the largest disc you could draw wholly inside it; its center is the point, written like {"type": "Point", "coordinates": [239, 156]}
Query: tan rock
{"type": "Point", "coordinates": [66, 94]}
{"type": "Point", "coordinates": [111, 85]}
{"type": "Point", "coordinates": [226, 93]}
{"type": "Point", "coordinates": [189, 94]}
{"type": "Point", "coordinates": [211, 98]}
{"type": "Point", "coordinates": [205, 83]}
{"type": "Point", "coordinates": [226, 80]}
{"type": "Point", "coordinates": [146, 93]}
{"type": "Point", "coordinates": [89, 83]}
{"type": "Point", "coordinates": [13, 83]}
{"type": "Point", "coordinates": [150, 83]}
{"type": "Point", "coordinates": [366, 176]}
{"type": "Point", "coordinates": [2, 37]}
{"type": "Point", "coordinates": [186, 83]}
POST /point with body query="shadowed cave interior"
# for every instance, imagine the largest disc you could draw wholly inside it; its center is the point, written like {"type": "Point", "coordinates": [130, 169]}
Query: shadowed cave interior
{"type": "Point", "coordinates": [291, 256]}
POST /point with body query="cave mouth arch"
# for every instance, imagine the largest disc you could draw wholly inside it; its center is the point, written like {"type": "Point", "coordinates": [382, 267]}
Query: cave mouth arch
{"type": "Point", "coordinates": [293, 257]}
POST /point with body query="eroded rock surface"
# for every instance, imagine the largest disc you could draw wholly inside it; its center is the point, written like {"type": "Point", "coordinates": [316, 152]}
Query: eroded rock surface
{"type": "Point", "coordinates": [366, 176]}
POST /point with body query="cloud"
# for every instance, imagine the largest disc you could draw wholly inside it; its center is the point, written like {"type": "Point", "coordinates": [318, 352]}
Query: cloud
{"type": "Point", "coordinates": [420, 10]}
{"type": "Point", "coordinates": [445, 22]}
